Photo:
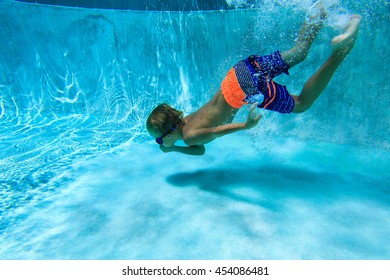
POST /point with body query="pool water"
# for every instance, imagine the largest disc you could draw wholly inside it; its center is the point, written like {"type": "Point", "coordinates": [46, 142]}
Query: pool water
{"type": "Point", "coordinates": [80, 178]}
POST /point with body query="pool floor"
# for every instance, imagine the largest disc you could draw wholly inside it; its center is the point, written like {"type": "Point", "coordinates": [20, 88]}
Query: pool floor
{"type": "Point", "coordinates": [294, 200]}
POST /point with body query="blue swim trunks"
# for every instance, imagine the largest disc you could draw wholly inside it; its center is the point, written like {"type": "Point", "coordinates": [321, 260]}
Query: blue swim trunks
{"type": "Point", "coordinates": [254, 75]}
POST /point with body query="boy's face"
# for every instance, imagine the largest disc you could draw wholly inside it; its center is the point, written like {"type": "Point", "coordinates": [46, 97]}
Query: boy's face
{"type": "Point", "coordinates": [167, 140]}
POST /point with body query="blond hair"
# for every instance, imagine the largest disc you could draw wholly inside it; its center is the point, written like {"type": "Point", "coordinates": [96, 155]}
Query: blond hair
{"type": "Point", "coordinates": [163, 118]}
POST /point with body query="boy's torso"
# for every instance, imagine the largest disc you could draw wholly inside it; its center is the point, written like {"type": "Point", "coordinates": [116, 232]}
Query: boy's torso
{"type": "Point", "coordinates": [214, 113]}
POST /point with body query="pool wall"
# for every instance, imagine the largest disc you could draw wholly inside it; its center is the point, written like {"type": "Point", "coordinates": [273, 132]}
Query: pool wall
{"type": "Point", "coordinates": [149, 5]}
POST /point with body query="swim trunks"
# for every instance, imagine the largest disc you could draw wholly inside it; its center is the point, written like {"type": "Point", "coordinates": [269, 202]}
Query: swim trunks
{"type": "Point", "coordinates": [254, 75]}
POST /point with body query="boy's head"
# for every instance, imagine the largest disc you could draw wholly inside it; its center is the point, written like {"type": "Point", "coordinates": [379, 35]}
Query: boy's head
{"type": "Point", "coordinates": [163, 120]}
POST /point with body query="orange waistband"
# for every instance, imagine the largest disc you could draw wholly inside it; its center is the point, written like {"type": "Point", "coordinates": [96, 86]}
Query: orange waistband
{"type": "Point", "coordinates": [232, 91]}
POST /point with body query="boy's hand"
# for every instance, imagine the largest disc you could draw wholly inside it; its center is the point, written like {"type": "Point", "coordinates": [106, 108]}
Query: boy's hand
{"type": "Point", "coordinates": [165, 149]}
{"type": "Point", "coordinates": [196, 150]}
{"type": "Point", "coordinates": [253, 117]}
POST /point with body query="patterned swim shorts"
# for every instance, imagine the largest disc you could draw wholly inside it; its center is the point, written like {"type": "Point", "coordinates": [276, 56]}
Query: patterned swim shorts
{"type": "Point", "coordinates": [254, 75]}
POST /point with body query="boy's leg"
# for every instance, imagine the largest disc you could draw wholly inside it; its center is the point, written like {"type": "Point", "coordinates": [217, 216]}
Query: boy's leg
{"type": "Point", "coordinates": [308, 32]}
{"type": "Point", "coordinates": [341, 46]}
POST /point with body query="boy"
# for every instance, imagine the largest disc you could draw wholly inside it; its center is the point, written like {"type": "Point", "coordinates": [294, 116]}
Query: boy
{"type": "Point", "coordinates": [248, 80]}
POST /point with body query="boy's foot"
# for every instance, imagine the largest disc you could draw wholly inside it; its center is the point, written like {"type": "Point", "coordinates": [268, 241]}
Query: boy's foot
{"type": "Point", "coordinates": [317, 13]}
{"type": "Point", "coordinates": [315, 19]}
{"type": "Point", "coordinates": [343, 44]}
{"type": "Point", "coordinates": [322, 12]}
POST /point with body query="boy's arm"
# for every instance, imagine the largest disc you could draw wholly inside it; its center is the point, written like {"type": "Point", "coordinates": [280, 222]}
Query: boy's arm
{"type": "Point", "coordinates": [205, 135]}
{"type": "Point", "coordinates": [196, 150]}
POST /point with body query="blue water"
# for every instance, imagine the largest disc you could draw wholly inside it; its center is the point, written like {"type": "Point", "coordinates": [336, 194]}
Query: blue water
{"type": "Point", "coordinates": [80, 178]}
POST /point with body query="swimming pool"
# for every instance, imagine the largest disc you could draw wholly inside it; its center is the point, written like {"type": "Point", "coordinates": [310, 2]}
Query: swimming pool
{"type": "Point", "coordinates": [80, 177]}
